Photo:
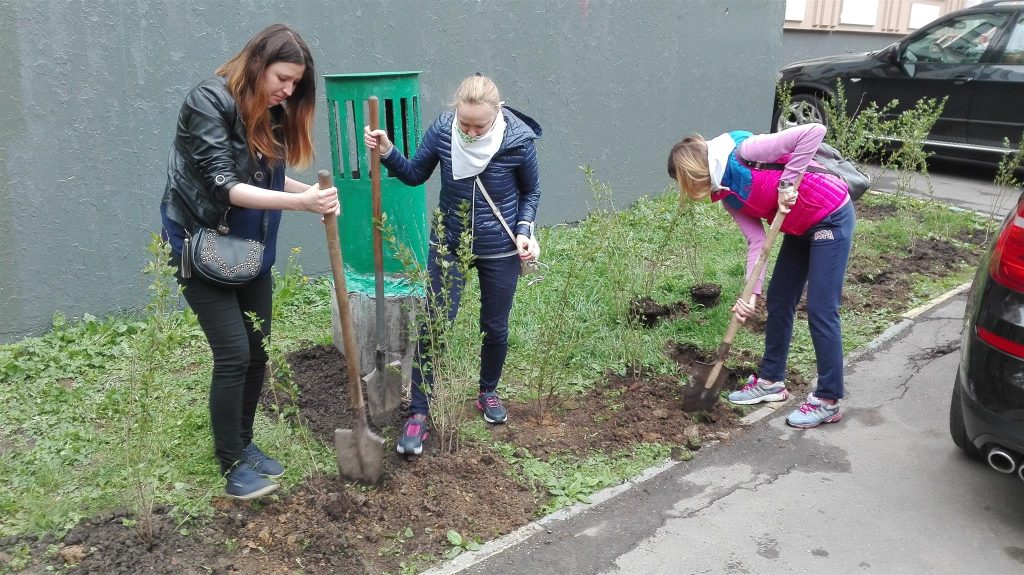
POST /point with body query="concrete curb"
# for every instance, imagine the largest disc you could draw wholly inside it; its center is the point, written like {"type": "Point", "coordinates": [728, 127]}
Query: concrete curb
{"type": "Point", "coordinates": [493, 547]}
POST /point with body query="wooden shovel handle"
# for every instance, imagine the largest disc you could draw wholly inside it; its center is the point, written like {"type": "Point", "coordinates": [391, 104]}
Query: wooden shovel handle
{"type": "Point", "coordinates": [348, 332]}
{"type": "Point", "coordinates": [748, 289]}
{"type": "Point", "coordinates": [378, 213]}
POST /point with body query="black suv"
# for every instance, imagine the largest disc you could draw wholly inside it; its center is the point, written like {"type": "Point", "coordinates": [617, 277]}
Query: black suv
{"type": "Point", "coordinates": [986, 414]}
{"type": "Point", "coordinates": [975, 56]}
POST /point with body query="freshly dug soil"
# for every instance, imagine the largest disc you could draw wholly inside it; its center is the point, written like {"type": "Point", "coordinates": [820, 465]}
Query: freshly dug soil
{"type": "Point", "coordinates": [325, 526]}
{"type": "Point", "coordinates": [648, 312]}
{"type": "Point", "coordinates": [706, 294]}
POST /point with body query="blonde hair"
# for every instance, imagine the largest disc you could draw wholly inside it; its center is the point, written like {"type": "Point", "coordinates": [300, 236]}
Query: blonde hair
{"type": "Point", "coordinates": [478, 89]}
{"type": "Point", "coordinates": [688, 166]}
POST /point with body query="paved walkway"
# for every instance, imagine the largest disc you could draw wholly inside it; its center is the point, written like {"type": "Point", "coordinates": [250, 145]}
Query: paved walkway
{"type": "Point", "coordinates": [883, 491]}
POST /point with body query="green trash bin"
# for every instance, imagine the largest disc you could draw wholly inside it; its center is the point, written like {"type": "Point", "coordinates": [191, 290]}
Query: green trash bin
{"type": "Point", "coordinates": [404, 206]}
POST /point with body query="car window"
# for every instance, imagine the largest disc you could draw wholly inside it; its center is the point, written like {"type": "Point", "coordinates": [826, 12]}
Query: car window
{"type": "Point", "coordinates": [961, 40]}
{"type": "Point", "coordinates": [1014, 52]}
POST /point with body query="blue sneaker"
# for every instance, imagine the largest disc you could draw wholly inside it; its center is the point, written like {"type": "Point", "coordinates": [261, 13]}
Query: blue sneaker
{"type": "Point", "coordinates": [414, 434]}
{"type": "Point", "coordinates": [813, 413]}
{"type": "Point", "coordinates": [261, 462]}
{"type": "Point", "coordinates": [244, 483]}
{"type": "Point", "coordinates": [490, 404]}
{"type": "Point", "coordinates": [756, 391]}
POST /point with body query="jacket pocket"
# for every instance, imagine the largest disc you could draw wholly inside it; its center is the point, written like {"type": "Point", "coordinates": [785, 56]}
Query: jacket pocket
{"type": "Point", "coordinates": [804, 214]}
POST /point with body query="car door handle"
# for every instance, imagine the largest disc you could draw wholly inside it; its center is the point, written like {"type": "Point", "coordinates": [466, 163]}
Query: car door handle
{"type": "Point", "coordinates": [962, 78]}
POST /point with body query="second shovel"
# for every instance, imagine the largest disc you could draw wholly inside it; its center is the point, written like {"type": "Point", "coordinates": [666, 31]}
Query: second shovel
{"type": "Point", "coordinates": [384, 383]}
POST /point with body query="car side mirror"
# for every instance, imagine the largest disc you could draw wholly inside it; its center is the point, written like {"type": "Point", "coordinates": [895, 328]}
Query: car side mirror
{"type": "Point", "coordinates": [892, 54]}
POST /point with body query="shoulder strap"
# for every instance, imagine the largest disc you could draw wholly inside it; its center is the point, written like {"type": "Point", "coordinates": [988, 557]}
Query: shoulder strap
{"type": "Point", "coordinates": [780, 167]}
{"type": "Point", "coordinates": [494, 209]}
{"type": "Point", "coordinates": [222, 227]}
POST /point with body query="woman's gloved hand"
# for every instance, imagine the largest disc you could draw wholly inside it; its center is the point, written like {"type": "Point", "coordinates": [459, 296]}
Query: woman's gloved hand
{"type": "Point", "coordinates": [529, 248]}
{"type": "Point", "coordinates": [787, 196]}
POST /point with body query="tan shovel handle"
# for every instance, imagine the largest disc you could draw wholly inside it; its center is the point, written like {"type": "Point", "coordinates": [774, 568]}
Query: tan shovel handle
{"type": "Point", "coordinates": [748, 289]}
{"type": "Point", "coordinates": [348, 333]}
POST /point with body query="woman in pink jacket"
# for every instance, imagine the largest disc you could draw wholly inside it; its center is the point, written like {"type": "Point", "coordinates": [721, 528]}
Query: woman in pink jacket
{"type": "Point", "coordinates": [815, 249]}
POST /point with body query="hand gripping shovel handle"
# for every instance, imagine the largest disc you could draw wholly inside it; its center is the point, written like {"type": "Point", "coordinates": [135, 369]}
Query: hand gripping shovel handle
{"type": "Point", "coordinates": [378, 240]}
{"type": "Point", "coordinates": [748, 289]}
{"type": "Point", "coordinates": [348, 333]}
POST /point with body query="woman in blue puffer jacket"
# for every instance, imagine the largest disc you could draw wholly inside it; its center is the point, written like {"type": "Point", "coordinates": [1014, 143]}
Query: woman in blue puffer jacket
{"type": "Point", "coordinates": [480, 144]}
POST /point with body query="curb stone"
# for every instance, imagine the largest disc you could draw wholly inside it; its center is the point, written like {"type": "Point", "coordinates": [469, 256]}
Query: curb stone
{"type": "Point", "coordinates": [469, 558]}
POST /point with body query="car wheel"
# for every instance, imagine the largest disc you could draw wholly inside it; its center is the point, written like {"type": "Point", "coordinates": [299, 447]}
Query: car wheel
{"type": "Point", "coordinates": [803, 109]}
{"type": "Point", "coordinates": [956, 423]}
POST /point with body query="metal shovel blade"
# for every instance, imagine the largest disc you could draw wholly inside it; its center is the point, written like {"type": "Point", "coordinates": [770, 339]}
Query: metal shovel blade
{"type": "Point", "coordinates": [384, 393]}
{"type": "Point", "coordinates": [360, 455]}
{"type": "Point", "coordinates": [702, 394]}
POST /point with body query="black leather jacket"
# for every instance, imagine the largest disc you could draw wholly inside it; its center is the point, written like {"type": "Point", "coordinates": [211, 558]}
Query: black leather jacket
{"type": "Point", "coordinates": [210, 154]}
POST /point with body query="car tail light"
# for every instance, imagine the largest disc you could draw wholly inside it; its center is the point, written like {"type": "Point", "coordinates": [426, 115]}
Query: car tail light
{"type": "Point", "coordinates": [1007, 264]}
{"type": "Point", "coordinates": [1001, 343]}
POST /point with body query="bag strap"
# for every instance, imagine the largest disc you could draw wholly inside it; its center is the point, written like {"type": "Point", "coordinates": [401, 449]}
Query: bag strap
{"type": "Point", "coordinates": [223, 229]}
{"type": "Point", "coordinates": [781, 167]}
{"type": "Point", "coordinates": [494, 209]}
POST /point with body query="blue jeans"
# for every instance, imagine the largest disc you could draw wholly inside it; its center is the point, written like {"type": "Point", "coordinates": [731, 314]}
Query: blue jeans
{"type": "Point", "coordinates": [239, 359]}
{"type": "Point", "coordinates": [817, 259]}
{"type": "Point", "coordinates": [498, 280]}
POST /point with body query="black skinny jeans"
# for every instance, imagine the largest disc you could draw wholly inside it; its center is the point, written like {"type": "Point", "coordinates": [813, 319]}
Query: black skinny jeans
{"type": "Point", "coordinates": [239, 359]}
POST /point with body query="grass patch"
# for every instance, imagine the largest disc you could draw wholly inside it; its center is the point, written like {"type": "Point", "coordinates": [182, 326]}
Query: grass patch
{"type": "Point", "coordinates": [568, 479]}
{"type": "Point", "coordinates": [61, 449]}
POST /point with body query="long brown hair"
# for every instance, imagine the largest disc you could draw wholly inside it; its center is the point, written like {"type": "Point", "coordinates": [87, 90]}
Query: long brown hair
{"type": "Point", "coordinates": [244, 73]}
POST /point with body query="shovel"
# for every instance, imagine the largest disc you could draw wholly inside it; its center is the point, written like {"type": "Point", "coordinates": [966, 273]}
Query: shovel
{"type": "Point", "coordinates": [706, 380]}
{"type": "Point", "coordinates": [384, 383]}
{"type": "Point", "coordinates": [360, 452]}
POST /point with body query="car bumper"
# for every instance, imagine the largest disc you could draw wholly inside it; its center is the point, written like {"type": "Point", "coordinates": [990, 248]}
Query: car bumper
{"type": "Point", "coordinates": [984, 426]}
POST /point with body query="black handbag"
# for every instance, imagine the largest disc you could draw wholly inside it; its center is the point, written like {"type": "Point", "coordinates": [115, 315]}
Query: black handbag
{"type": "Point", "coordinates": [219, 258]}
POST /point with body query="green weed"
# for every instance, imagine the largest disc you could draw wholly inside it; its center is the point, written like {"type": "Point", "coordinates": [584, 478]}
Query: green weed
{"type": "Point", "coordinates": [568, 479]}
{"type": "Point", "coordinates": [459, 544]}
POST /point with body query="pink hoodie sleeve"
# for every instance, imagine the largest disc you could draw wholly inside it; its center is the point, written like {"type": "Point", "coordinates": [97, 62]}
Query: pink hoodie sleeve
{"type": "Point", "coordinates": [800, 142]}
{"type": "Point", "coordinates": [753, 230]}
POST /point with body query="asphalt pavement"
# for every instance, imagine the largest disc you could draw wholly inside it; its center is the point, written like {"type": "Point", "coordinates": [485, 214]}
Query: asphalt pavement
{"type": "Point", "coordinates": [882, 491]}
{"type": "Point", "coordinates": [964, 184]}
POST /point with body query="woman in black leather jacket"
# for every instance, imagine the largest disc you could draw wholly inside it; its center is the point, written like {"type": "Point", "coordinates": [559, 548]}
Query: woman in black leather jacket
{"type": "Point", "coordinates": [480, 142]}
{"type": "Point", "coordinates": [235, 134]}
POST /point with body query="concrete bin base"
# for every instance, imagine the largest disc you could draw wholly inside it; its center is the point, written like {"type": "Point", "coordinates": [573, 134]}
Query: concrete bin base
{"type": "Point", "coordinates": [399, 314]}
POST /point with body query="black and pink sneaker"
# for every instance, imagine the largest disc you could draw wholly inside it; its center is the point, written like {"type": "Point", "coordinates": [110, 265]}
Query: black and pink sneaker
{"type": "Point", "coordinates": [414, 434]}
{"type": "Point", "coordinates": [490, 404]}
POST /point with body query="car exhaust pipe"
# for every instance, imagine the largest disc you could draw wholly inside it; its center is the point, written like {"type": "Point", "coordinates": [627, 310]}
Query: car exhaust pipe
{"type": "Point", "coordinates": [1001, 460]}
{"type": "Point", "coordinates": [1020, 472]}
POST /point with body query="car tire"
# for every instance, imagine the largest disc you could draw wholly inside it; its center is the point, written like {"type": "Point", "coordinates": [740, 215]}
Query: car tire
{"type": "Point", "coordinates": [956, 423]}
{"type": "Point", "coordinates": [803, 109]}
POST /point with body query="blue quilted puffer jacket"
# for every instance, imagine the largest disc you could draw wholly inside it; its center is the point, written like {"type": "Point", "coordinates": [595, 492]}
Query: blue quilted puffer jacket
{"type": "Point", "coordinates": [512, 179]}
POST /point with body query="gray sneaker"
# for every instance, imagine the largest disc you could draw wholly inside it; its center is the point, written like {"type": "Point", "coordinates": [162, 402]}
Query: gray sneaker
{"type": "Point", "coordinates": [491, 407]}
{"type": "Point", "coordinates": [813, 413]}
{"type": "Point", "coordinates": [755, 391]}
